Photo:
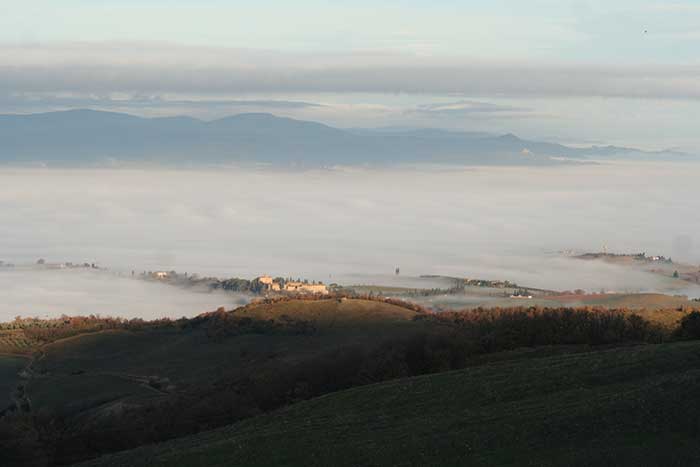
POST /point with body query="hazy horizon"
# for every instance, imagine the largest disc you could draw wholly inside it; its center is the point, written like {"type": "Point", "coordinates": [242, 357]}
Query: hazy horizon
{"type": "Point", "coordinates": [543, 70]}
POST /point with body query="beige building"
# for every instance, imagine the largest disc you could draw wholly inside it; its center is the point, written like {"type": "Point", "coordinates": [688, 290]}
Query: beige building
{"type": "Point", "coordinates": [270, 285]}
{"type": "Point", "coordinates": [266, 280]}
{"type": "Point", "coordinates": [300, 287]}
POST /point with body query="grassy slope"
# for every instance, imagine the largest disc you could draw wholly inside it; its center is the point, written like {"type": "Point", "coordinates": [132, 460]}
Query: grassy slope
{"type": "Point", "coordinates": [95, 370]}
{"type": "Point", "coordinates": [10, 367]}
{"type": "Point", "coordinates": [327, 314]}
{"type": "Point", "coordinates": [648, 301]}
{"type": "Point", "coordinates": [627, 406]}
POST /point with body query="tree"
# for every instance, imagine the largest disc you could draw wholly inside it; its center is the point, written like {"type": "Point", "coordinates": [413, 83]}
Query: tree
{"type": "Point", "coordinates": [690, 326]}
{"type": "Point", "coordinates": [676, 275]}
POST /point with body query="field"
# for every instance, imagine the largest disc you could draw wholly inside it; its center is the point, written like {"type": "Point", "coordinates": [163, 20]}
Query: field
{"type": "Point", "coordinates": [327, 314]}
{"type": "Point", "coordinates": [495, 298]}
{"type": "Point", "coordinates": [639, 301]}
{"type": "Point", "coordinates": [628, 406]}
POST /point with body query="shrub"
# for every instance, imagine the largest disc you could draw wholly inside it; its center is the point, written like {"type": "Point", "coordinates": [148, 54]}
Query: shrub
{"type": "Point", "coordinates": [690, 326]}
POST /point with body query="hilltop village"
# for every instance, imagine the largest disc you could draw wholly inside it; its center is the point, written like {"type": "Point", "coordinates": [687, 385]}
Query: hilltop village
{"type": "Point", "coordinates": [656, 264]}
{"type": "Point", "coordinates": [642, 257]}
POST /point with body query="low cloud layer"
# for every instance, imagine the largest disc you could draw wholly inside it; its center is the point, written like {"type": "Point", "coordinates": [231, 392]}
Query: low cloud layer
{"type": "Point", "coordinates": [30, 292]}
{"type": "Point", "coordinates": [649, 105]}
{"type": "Point", "coordinates": [467, 107]}
{"type": "Point", "coordinates": [342, 225]}
{"type": "Point", "coordinates": [144, 69]}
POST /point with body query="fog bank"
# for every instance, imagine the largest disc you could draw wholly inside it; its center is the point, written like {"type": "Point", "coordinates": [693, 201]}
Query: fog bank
{"type": "Point", "coordinates": [341, 225]}
{"type": "Point", "coordinates": [52, 293]}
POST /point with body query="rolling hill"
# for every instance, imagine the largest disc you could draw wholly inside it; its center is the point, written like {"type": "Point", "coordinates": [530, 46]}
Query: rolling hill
{"type": "Point", "coordinates": [88, 137]}
{"type": "Point", "coordinates": [630, 406]}
{"type": "Point", "coordinates": [98, 385]}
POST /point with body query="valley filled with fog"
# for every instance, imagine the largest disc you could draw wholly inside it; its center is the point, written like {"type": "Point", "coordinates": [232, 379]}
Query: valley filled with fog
{"type": "Point", "coordinates": [38, 293]}
{"type": "Point", "coordinates": [344, 225]}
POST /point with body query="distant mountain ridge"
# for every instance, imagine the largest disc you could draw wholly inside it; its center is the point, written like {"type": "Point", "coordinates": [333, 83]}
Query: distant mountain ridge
{"type": "Point", "coordinates": [89, 137]}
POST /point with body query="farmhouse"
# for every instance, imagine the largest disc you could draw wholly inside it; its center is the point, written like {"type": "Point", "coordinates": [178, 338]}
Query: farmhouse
{"type": "Point", "coordinates": [269, 283]}
{"type": "Point", "coordinates": [278, 285]}
{"type": "Point", "coordinates": [305, 288]}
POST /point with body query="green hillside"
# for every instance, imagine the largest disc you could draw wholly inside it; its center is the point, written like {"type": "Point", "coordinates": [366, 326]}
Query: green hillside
{"type": "Point", "coordinates": [627, 406]}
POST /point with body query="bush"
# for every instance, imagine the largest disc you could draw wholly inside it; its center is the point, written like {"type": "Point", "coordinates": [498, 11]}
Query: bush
{"type": "Point", "coordinates": [690, 326]}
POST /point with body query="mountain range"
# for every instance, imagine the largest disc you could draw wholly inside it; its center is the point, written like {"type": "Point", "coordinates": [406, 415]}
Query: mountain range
{"type": "Point", "coordinates": [89, 137]}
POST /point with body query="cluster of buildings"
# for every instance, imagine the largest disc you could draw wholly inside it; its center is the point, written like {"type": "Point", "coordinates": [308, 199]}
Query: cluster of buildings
{"type": "Point", "coordinates": [659, 258]}
{"type": "Point", "coordinates": [635, 256]}
{"type": "Point", "coordinates": [278, 285]}
{"type": "Point", "coordinates": [263, 284]}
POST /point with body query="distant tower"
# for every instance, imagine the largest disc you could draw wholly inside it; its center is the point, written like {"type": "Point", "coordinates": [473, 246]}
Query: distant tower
{"type": "Point", "coordinates": [605, 249]}
{"type": "Point", "coordinates": [398, 271]}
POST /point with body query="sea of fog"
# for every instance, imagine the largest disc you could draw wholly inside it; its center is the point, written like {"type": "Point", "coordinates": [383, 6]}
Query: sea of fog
{"type": "Point", "coordinates": [350, 226]}
{"type": "Point", "coordinates": [52, 293]}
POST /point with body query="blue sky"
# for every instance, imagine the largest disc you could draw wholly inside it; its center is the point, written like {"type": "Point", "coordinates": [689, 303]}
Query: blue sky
{"type": "Point", "coordinates": [578, 30]}
{"type": "Point", "coordinates": [542, 67]}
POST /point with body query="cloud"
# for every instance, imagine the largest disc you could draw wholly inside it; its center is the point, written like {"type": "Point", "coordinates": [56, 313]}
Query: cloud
{"type": "Point", "coordinates": [32, 292]}
{"type": "Point", "coordinates": [36, 102]}
{"type": "Point", "coordinates": [159, 69]}
{"type": "Point", "coordinates": [332, 225]}
{"type": "Point", "coordinates": [467, 108]}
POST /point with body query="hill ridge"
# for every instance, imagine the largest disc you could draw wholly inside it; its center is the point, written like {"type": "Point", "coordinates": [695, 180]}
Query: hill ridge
{"type": "Point", "coordinates": [88, 136]}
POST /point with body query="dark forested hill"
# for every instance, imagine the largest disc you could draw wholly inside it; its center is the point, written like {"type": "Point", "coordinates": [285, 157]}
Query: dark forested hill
{"type": "Point", "coordinates": [87, 137]}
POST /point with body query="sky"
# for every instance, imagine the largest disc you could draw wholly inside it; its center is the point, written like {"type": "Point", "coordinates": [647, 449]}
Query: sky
{"type": "Point", "coordinates": [616, 71]}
